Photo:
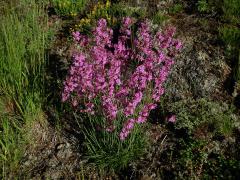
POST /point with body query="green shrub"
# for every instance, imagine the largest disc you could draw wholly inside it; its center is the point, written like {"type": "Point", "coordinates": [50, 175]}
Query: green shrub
{"type": "Point", "coordinates": [203, 6]}
{"type": "Point", "coordinates": [230, 33]}
{"type": "Point", "coordinates": [193, 154]}
{"type": "Point", "coordinates": [176, 8]}
{"type": "Point", "coordinates": [191, 114]}
{"type": "Point", "coordinates": [210, 6]}
{"type": "Point", "coordinates": [201, 159]}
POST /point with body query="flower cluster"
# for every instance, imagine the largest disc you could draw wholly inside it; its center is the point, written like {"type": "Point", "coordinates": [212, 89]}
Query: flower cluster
{"type": "Point", "coordinates": [116, 78]}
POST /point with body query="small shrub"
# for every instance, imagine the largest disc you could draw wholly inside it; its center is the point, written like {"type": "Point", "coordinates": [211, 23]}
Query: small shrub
{"type": "Point", "coordinates": [202, 159]}
{"type": "Point", "coordinates": [117, 83]}
{"type": "Point", "coordinates": [203, 6]}
{"type": "Point", "coordinates": [191, 114]}
{"type": "Point", "coordinates": [193, 156]}
{"type": "Point", "coordinates": [176, 8]}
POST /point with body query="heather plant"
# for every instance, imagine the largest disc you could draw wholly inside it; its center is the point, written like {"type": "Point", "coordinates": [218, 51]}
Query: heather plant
{"type": "Point", "coordinates": [117, 84]}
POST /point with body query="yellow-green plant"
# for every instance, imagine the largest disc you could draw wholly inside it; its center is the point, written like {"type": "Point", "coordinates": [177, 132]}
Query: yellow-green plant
{"type": "Point", "coordinates": [69, 7]}
{"type": "Point", "coordinates": [100, 10]}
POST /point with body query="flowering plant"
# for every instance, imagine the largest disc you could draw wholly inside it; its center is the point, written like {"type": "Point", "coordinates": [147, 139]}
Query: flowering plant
{"type": "Point", "coordinates": [116, 78]}
{"type": "Point", "coordinates": [100, 10]}
{"type": "Point", "coordinates": [127, 76]}
{"type": "Point", "coordinates": [69, 7]}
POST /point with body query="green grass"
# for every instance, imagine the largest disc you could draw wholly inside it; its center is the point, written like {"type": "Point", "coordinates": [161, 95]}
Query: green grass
{"type": "Point", "coordinates": [105, 149]}
{"type": "Point", "coordinates": [24, 36]}
{"type": "Point", "coordinates": [22, 56]}
{"type": "Point", "coordinates": [12, 146]}
{"type": "Point", "coordinates": [237, 69]}
{"type": "Point", "coordinates": [230, 33]}
{"type": "Point", "coordinates": [231, 11]}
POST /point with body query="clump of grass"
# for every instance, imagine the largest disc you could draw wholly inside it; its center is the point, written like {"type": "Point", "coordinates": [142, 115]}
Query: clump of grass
{"type": "Point", "coordinates": [230, 35]}
{"type": "Point", "coordinates": [22, 56]}
{"type": "Point", "coordinates": [23, 39]}
{"type": "Point", "coordinates": [11, 146]}
{"type": "Point", "coordinates": [108, 152]}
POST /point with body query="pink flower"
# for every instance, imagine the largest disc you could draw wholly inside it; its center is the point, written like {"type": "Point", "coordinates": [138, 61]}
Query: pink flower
{"type": "Point", "coordinates": [128, 126]}
{"type": "Point", "coordinates": [178, 45]}
{"type": "Point", "coordinates": [171, 118]}
{"type": "Point", "coordinates": [145, 112]}
{"type": "Point", "coordinates": [110, 78]}
{"type": "Point", "coordinates": [76, 36]}
{"type": "Point", "coordinates": [111, 128]}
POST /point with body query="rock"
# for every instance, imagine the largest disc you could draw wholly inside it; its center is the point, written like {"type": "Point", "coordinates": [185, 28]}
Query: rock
{"type": "Point", "coordinates": [198, 70]}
